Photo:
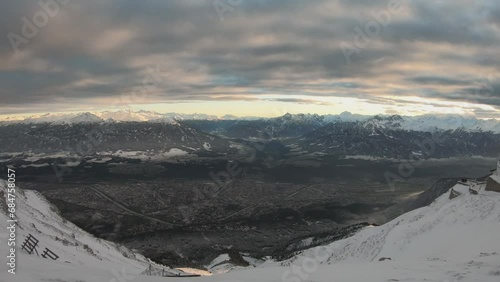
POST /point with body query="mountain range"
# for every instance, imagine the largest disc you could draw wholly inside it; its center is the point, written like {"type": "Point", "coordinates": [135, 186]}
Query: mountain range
{"type": "Point", "coordinates": [284, 137]}
{"type": "Point", "coordinates": [426, 123]}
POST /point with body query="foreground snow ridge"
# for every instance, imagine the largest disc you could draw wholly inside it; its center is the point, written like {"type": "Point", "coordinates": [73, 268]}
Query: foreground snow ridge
{"type": "Point", "coordinates": [450, 240]}
{"type": "Point", "coordinates": [78, 251]}
{"type": "Point", "coordinates": [459, 235]}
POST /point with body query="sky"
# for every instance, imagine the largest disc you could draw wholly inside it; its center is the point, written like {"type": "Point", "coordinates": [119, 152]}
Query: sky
{"type": "Point", "coordinates": [251, 57]}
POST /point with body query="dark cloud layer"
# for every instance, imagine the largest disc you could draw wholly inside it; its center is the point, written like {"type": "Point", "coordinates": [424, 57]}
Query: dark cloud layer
{"type": "Point", "coordinates": [96, 51]}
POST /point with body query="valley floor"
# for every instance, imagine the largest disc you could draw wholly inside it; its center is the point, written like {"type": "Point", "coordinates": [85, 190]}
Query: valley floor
{"type": "Point", "coordinates": [450, 240]}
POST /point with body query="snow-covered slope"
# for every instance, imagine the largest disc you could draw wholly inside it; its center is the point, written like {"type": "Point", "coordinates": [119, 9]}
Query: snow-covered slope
{"type": "Point", "coordinates": [450, 240]}
{"type": "Point", "coordinates": [129, 115]}
{"type": "Point", "coordinates": [431, 123]}
{"type": "Point", "coordinates": [76, 248]}
{"type": "Point", "coordinates": [461, 234]}
{"type": "Point", "coordinates": [177, 116]}
{"type": "Point", "coordinates": [49, 118]}
{"type": "Point", "coordinates": [346, 117]}
{"type": "Point", "coordinates": [84, 118]}
{"type": "Point", "coordinates": [56, 118]}
{"type": "Point", "coordinates": [223, 264]}
{"type": "Point", "coordinates": [120, 115]}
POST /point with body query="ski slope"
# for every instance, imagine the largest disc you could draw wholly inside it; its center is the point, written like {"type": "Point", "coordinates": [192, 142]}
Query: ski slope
{"type": "Point", "coordinates": [76, 248]}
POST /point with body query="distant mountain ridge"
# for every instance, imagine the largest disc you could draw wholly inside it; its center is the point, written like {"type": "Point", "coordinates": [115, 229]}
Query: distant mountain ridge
{"type": "Point", "coordinates": [390, 140]}
{"type": "Point", "coordinates": [340, 135]}
{"type": "Point", "coordinates": [426, 123]}
{"type": "Point", "coordinates": [136, 136]}
{"type": "Point", "coordinates": [120, 115]}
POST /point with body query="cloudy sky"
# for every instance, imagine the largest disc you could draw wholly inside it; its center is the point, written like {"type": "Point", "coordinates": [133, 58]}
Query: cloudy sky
{"type": "Point", "coordinates": [251, 57]}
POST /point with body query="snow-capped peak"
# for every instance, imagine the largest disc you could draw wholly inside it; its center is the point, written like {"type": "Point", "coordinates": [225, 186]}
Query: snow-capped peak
{"type": "Point", "coordinates": [85, 118]}
{"type": "Point", "coordinates": [299, 118]}
{"type": "Point", "coordinates": [426, 123]}
{"type": "Point", "coordinates": [129, 115]}
{"type": "Point", "coordinates": [60, 118]}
